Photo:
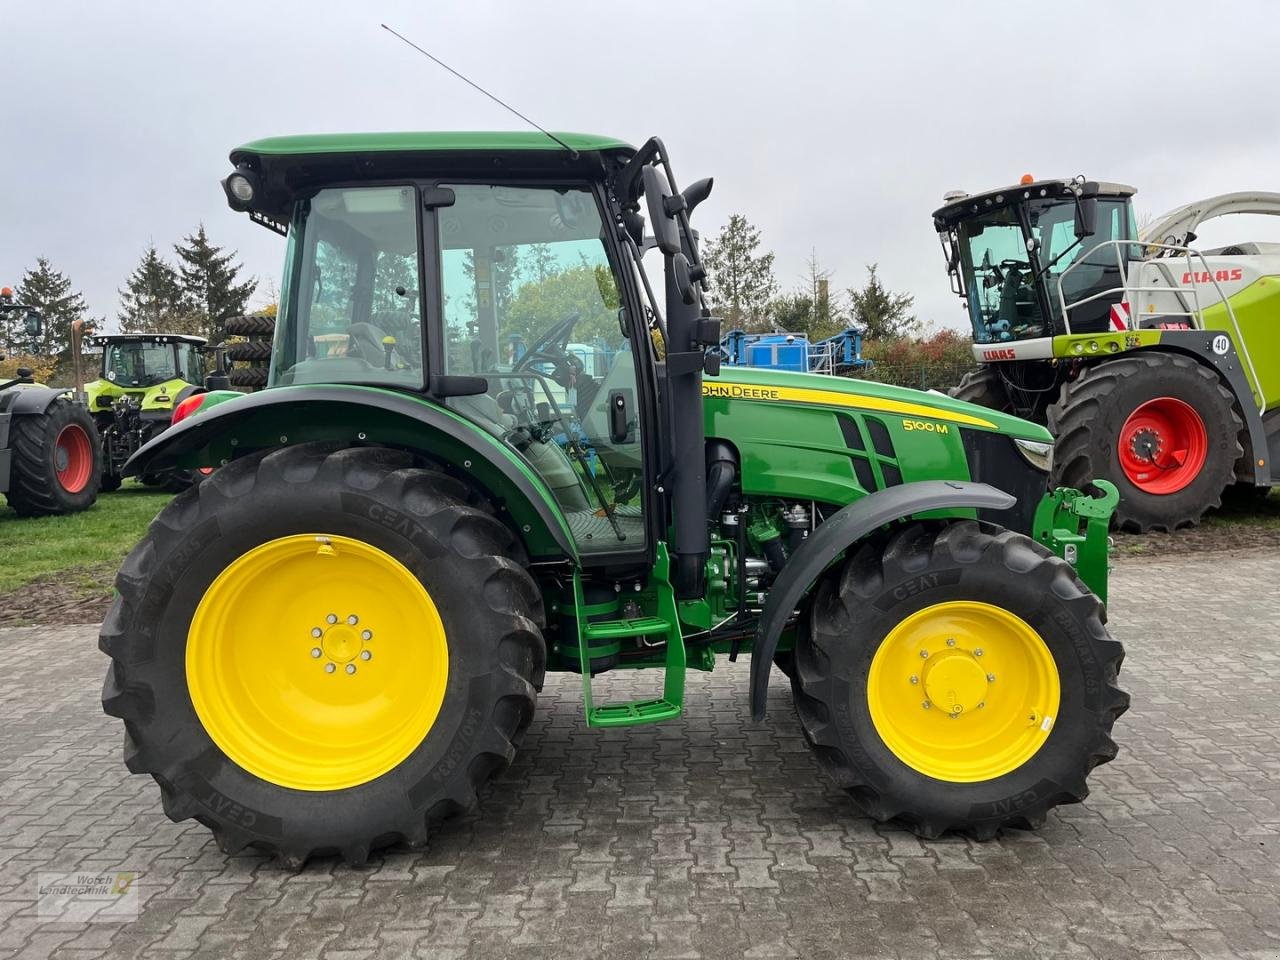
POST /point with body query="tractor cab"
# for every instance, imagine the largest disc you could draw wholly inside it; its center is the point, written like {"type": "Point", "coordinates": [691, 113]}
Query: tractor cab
{"type": "Point", "coordinates": [1038, 260]}
{"type": "Point", "coordinates": [139, 362]}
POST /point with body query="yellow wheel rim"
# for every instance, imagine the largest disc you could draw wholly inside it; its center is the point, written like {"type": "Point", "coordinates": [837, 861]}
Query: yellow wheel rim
{"type": "Point", "coordinates": [963, 691]}
{"type": "Point", "coordinates": [317, 662]}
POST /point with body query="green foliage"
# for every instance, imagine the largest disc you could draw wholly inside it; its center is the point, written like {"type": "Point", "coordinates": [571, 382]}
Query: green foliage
{"type": "Point", "coordinates": [880, 313]}
{"type": "Point", "coordinates": [742, 282]}
{"type": "Point", "coordinates": [935, 362]}
{"type": "Point", "coordinates": [586, 288]}
{"type": "Point", "coordinates": [153, 301]}
{"type": "Point", "coordinates": [210, 285]}
{"type": "Point", "coordinates": [50, 292]}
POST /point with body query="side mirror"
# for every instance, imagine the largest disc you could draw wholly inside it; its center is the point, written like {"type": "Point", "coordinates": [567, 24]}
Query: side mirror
{"type": "Point", "coordinates": [33, 323]}
{"type": "Point", "coordinates": [656, 193]}
{"type": "Point", "coordinates": [1086, 217]}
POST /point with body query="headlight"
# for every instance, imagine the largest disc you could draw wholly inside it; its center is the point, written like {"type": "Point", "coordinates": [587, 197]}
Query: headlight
{"type": "Point", "coordinates": [241, 189]}
{"type": "Point", "coordinates": [1039, 455]}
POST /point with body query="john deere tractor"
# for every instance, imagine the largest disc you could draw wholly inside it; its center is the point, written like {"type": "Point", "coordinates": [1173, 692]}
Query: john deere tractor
{"type": "Point", "coordinates": [49, 460]}
{"type": "Point", "coordinates": [1154, 365]}
{"type": "Point", "coordinates": [144, 377]}
{"type": "Point", "coordinates": [492, 447]}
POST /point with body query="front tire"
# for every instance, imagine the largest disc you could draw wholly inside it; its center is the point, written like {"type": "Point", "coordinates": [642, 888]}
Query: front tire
{"type": "Point", "coordinates": [958, 677]}
{"type": "Point", "coordinates": [1160, 426]}
{"type": "Point", "coordinates": [297, 744]}
{"type": "Point", "coordinates": [984, 387]}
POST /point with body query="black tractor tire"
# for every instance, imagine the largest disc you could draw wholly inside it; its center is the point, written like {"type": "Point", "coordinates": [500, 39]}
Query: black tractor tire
{"type": "Point", "coordinates": [248, 376]}
{"type": "Point", "coordinates": [249, 350]}
{"type": "Point", "coordinates": [253, 325]}
{"type": "Point", "coordinates": [35, 488]}
{"type": "Point", "coordinates": [110, 483]}
{"type": "Point", "coordinates": [854, 609]}
{"type": "Point", "coordinates": [1092, 410]}
{"type": "Point", "coordinates": [470, 563]}
{"type": "Point", "coordinates": [984, 387]}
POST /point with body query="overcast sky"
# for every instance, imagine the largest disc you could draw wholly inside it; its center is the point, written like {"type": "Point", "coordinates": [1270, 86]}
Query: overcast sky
{"type": "Point", "coordinates": [834, 127]}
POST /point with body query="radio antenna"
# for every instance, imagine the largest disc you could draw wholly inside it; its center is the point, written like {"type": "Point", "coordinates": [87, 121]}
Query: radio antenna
{"type": "Point", "coordinates": [475, 86]}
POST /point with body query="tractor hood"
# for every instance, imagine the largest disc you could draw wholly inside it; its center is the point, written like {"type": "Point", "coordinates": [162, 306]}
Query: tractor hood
{"type": "Point", "coordinates": [806, 389]}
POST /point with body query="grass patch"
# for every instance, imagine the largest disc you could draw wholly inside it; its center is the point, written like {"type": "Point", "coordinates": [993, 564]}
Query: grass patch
{"type": "Point", "coordinates": [80, 546]}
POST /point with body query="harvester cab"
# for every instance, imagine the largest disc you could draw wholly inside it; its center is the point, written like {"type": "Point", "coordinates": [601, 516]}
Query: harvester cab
{"type": "Point", "coordinates": [1152, 362]}
{"type": "Point", "coordinates": [491, 447]}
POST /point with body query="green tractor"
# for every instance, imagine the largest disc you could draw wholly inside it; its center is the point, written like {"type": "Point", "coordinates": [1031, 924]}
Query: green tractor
{"type": "Point", "coordinates": [49, 460]}
{"type": "Point", "coordinates": [1153, 364]}
{"type": "Point", "coordinates": [490, 447]}
{"type": "Point", "coordinates": [144, 378]}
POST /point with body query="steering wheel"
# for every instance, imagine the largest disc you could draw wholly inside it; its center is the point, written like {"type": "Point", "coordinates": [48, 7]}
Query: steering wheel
{"type": "Point", "coordinates": [551, 348]}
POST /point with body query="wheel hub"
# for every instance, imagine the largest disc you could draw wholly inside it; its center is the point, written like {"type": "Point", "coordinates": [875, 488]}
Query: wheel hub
{"type": "Point", "coordinates": [1146, 445]}
{"type": "Point", "coordinates": [955, 681]}
{"type": "Point", "coordinates": [342, 643]}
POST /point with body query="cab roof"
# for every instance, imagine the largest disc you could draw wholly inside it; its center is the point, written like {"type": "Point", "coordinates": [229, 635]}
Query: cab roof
{"type": "Point", "coordinates": [465, 141]}
{"type": "Point", "coordinates": [966, 205]}
{"type": "Point", "coordinates": [105, 338]}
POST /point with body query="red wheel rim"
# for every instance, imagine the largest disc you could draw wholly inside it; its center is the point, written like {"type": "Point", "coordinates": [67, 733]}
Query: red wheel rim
{"type": "Point", "coordinates": [73, 458]}
{"type": "Point", "coordinates": [1163, 446]}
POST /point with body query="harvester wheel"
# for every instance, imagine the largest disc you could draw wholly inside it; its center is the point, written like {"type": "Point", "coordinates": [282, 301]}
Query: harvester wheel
{"type": "Point", "coordinates": [57, 460]}
{"type": "Point", "coordinates": [253, 325]}
{"type": "Point", "coordinates": [958, 677]}
{"type": "Point", "coordinates": [249, 350]}
{"type": "Point", "coordinates": [984, 387]}
{"type": "Point", "coordinates": [323, 650]}
{"type": "Point", "coordinates": [1160, 426]}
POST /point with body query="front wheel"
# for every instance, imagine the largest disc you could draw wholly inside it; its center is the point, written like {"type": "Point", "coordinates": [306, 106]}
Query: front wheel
{"type": "Point", "coordinates": [57, 461]}
{"type": "Point", "coordinates": [322, 651]}
{"type": "Point", "coordinates": [958, 677]}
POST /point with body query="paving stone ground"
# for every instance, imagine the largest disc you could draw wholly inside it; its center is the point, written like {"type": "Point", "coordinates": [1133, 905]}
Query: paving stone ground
{"type": "Point", "coordinates": [709, 837]}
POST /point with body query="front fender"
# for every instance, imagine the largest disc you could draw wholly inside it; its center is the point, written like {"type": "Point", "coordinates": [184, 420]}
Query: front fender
{"type": "Point", "coordinates": [849, 525]}
{"type": "Point", "coordinates": [350, 414]}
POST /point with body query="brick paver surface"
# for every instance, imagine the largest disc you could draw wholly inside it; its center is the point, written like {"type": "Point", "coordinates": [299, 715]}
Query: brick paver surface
{"type": "Point", "coordinates": [709, 837]}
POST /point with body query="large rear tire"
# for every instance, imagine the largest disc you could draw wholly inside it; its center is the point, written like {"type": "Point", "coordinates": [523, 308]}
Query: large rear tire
{"type": "Point", "coordinates": [958, 677]}
{"type": "Point", "coordinates": [1160, 426]}
{"type": "Point", "coordinates": [323, 651]}
{"type": "Point", "coordinates": [57, 461]}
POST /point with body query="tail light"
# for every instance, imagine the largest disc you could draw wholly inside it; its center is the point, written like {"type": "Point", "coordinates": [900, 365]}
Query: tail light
{"type": "Point", "coordinates": [187, 407]}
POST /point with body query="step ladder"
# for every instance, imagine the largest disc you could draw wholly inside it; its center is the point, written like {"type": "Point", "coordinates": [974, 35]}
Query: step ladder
{"type": "Point", "coordinates": [666, 626]}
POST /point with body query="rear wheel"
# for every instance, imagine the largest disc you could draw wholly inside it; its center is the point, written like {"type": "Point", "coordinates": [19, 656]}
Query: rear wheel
{"type": "Point", "coordinates": [56, 461]}
{"type": "Point", "coordinates": [1160, 426]}
{"type": "Point", "coordinates": [348, 656]}
{"type": "Point", "coordinates": [958, 677]}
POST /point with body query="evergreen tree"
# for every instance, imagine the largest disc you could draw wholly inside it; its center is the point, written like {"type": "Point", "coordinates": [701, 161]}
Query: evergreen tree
{"type": "Point", "coordinates": [152, 299]}
{"type": "Point", "coordinates": [209, 283]}
{"type": "Point", "coordinates": [880, 313]}
{"type": "Point", "coordinates": [49, 291]}
{"type": "Point", "coordinates": [742, 280]}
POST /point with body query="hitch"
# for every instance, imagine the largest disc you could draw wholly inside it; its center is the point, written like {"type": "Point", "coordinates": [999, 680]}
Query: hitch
{"type": "Point", "coordinates": [1074, 525]}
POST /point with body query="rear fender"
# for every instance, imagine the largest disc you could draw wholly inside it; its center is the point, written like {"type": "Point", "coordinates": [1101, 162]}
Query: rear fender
{"type": "Point", "coordinates": [33, 400]}
{"type": "Point", "coordinates": [836, 535]}
{"type": "Point", "coordinates": [353, 415]}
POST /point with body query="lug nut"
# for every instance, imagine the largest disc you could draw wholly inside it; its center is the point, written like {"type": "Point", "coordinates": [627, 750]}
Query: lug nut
{"type": "Point", "coordinates": [317, 632]}
{"type": "Point", "coordinates": [981, 705]}
{"type": "Point", "coordinates": [331, 618]}
{"type": "Point", "coordinates": [950, 642]}
{"type": "Point", "coordinates": [365, 655]}
{"type": "Point", "coordinates": [977, 652]}
{"type": "Point", "coordinates": [915, 679]}
{"type": "Point", "coordinates": [924, 654]}
{"type": "Point", "coordinates": [926, 704]}
{"type": "Point", "coordinates": [329, 668]}
{"type": "Point", "coordinates": [315, 652]}
{"type": "Point", "coordinates": [353, 619]}
{"type": "Point", "coordinates": [351, 668]}
{"type": "Point", "coordinates": [366, 634]}
{"type": "Point", "coordinates": [991, 678]}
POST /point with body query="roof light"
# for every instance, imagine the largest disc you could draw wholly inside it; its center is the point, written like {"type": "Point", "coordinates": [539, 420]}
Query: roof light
{"type": "Point", "coordinates": [241, 188]}
{"type": "Point", "coordinates": [1026, 178]}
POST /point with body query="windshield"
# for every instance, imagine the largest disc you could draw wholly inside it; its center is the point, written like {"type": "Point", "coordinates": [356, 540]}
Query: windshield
{"type": "Point", "coordinates": [353, 308]}
{"type": "Point", "coordinates": [1004, 283]}
{"type": "Point", "coordinates": [139, 364]}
